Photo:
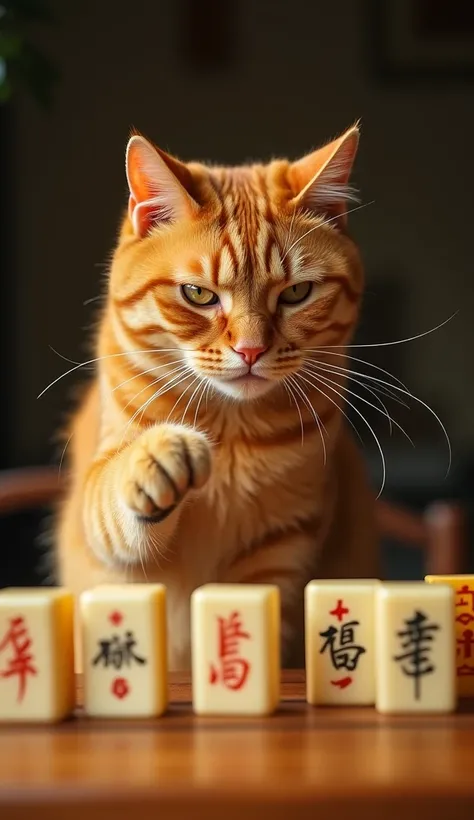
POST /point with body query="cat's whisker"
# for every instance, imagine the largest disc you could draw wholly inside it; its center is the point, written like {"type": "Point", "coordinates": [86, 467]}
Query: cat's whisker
{"type": "Point", "coordinates": [322, 224]}
{"type": "Point", "coordinates": [183, 393]}
{"type": "Point", "coordinates": [210, 390]}
{"type": "Point", "coordinates": [313, 413]}
{"type": "Point", "coordinates": [178, 379]}
{"type": "Point", "coordinates": [292, 396]}
{"type": "Point", "coordinates": [423, 404]}
{"type": "Point", "coordinates": [160, 392]}
{"type": "Point", "coordinates": [373, 393]}
{"type": "Point", "coordinates": [321, 380]}
{"type": "Point", "coordinates": [397, 341]}
{"type": "Point", "coordinates": [63, 454]}
{"type": "Point", "coordinates": [108, 356]}
{"type": "Point", "coordinates": [355, 359]}
{"type": "Point", "coordinates": [205, 387]}
{"type": "Point", "coordinates": [145, 372]}
{"type": "Point", "coordinates": [333, 402]}
{"type": "Point", "coordinates": [155, 381]}
{"type": "Point", "coordinates": [351, 374]}
{"type": "Point", "coordinates": [201, 383]}
{"type": "Point", "coordinates": [384, 411]}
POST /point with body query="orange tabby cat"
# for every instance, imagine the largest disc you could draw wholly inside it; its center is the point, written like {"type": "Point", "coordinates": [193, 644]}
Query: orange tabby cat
{"type": "Point", "coordinates": [211, 445]}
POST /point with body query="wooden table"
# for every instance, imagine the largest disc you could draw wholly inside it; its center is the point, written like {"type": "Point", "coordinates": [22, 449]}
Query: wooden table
{"type": "Point", "coordinates": [302, 763]}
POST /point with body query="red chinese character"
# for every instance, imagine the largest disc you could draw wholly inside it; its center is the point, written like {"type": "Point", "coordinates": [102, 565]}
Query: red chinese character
{"type": "Point", "coordinates": [232, 670]}
{"type": "Point", "coordinates": [465, 648]}
{"type": "Point", "coordinates": [21, 663]}
{"type": "Point", "coordinates": [465, 594]}
{"type": "Point", "coordinates": [466, 643]}
{"type": "Point", "coordinates": [120, 688]}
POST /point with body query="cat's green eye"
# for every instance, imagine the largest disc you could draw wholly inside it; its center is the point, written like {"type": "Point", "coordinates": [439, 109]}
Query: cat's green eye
{"type": "Point", "coordinates": [202, 297]}
{"type": "Point", "coordinates": [295, 293]}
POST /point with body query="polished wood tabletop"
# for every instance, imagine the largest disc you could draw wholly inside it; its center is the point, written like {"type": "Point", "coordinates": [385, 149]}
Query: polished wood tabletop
{"type": "Point", "coordinates": [303, 762]}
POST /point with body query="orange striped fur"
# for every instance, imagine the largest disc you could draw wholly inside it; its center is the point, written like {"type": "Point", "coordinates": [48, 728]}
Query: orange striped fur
{"type": "Point", "coordinates": [204, 450]}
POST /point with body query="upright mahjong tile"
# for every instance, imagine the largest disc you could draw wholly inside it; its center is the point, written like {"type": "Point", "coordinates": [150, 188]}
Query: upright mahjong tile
{"type": "Point", "coordinates": [124, 650]}
{"type": "Point", "coordinates": [463, 586]}
{"type": "Point", "coordinates": [36, 654]}
{"type": "Point", "coordinates": [235, 649]}
{"type": "Point", "coordinates": [340, 641]}
{"type": "Point", "coordinates": [415, 646]}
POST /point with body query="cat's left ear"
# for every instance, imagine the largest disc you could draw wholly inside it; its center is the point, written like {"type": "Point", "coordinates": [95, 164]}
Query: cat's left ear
{"type": "Point", "coordinates": [320, 180]}
{"type": "Point", "coordinates": [160, 186]}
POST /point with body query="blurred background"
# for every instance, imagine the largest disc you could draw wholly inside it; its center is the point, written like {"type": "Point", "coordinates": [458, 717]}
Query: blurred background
{"type": "Point", "coordinates": [231, 81]}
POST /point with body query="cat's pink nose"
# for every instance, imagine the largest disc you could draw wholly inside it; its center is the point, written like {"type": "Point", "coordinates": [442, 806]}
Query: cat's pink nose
{"type": "Point", "coordinates": [250, 354]}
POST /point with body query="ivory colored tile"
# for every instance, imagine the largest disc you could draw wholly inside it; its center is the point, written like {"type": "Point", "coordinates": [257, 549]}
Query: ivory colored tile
{"type": "Point", "coordinates": [235, 649]}
{"type": "Point", "coordinates": [124, 650]}
{"type": "Point", "coordinates": [340, 641]}
{"type": "Point", "coordinates": [415, 646]}
{"type": "Point", "coordinates": [36, 654]}
{"type": "Point", "coordinates": [463, 586]}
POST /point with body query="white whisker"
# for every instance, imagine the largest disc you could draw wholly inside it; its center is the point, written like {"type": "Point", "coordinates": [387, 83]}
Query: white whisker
{"type": "Point", "coordinates": [160, 392]}
{"type": "Point", "coordinates": [63, 454]}
{"type": "Point", "coordinates": [357, 396]}
{"type": "Point", "coordinates": [320, 379]}
{"type": "Point", "coordinates": [335, 370]}
{"type": "Point", "coordinates": [201, 383]}
{"type": "Point", "coordinates": [102, 358]}
{"type": "Point", "coordinates": [322, 224]}
{"type": "Point", "coordinates": [355, 359]}
{"type": "Point", "coordinates": [398, 341]}
{"type": "Point", "coordinates": [145, 372]}
{"type": "Point", "coordinates": [181, 368]}
{"type": "Point", "coordinates": [313, 413]}
{"type": "Point", "coordinates": [292, 396]}
{"type": "Point", "coordinates": [206, 381]}
{"type": "Point", "coordinates": [340, 409]}
{"type": "Point", "coordinates": [423, 404]}
{"type": "Point", "coordinates": [183, 393]}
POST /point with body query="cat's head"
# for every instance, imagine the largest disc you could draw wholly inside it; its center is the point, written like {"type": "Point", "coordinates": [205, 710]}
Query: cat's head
{"type": "Point", "coordinates": [241, 271]}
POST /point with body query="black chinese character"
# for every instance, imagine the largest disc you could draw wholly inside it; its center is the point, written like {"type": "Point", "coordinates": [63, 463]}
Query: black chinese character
{"type": "Point", "coordinates": [118, 653]}
{"type": "Point", "coordinates": [346, 655]}
{"type": "Point", "coordinates": [417, 639]}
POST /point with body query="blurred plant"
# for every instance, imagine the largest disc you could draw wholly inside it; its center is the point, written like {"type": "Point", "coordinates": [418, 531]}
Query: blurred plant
{"type": "Point", "coordinates": [22, 64]}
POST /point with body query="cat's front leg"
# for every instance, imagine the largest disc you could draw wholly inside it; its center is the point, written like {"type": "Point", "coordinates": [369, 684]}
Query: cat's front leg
{"type": "Point", "coordinates": [128, 490]}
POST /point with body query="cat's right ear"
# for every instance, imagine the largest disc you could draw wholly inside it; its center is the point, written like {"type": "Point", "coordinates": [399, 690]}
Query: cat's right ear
{"type": "Point", "coordinates": [158, 184]}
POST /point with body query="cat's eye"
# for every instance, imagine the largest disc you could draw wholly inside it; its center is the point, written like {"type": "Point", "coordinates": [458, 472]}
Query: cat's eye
{"type": "Point", "coordinates": [295, 293]}
{"type": "Point", "coordinates": [202, 297]}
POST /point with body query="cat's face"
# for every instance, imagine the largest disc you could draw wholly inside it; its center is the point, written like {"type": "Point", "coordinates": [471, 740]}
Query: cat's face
{"type": "Point", "coordinates": [239, 272]}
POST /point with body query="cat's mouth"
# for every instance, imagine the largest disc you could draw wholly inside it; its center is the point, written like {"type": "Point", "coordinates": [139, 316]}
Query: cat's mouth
{"type": "Point", "coordinates": [246, 386]}
{"type": "Point", "coordinates": [247, 378]}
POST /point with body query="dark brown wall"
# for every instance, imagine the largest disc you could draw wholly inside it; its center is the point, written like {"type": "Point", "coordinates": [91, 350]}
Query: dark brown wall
{"type": "Point", "coordinates": [299, 75]}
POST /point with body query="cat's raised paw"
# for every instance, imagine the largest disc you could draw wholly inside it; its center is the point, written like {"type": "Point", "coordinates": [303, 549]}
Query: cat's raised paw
{"type": "Point", "coordinates": [161, 466]}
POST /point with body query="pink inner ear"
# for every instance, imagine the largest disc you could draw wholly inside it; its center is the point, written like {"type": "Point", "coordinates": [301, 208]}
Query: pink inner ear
{"type": "Point", "coordinates": [156, 186]}
{"type": "Point", "coordinates": [146, 214]}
